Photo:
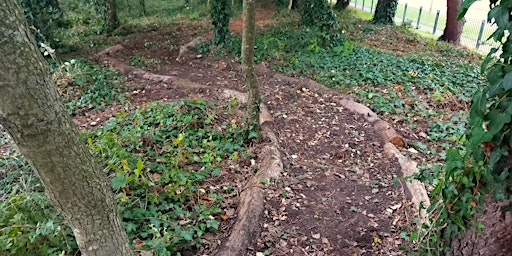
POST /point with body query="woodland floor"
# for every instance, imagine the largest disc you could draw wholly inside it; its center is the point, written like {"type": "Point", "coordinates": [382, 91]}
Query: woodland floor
{"type": "Point", "coordinates": [336, 195]}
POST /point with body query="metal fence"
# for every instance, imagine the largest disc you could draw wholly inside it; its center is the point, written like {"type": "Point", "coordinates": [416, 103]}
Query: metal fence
{"type": "Point", "coordinates": [474, 34]}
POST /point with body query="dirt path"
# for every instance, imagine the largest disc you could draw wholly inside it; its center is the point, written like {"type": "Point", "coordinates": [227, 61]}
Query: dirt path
{"type": "Point", "coordinates": [336, 195]}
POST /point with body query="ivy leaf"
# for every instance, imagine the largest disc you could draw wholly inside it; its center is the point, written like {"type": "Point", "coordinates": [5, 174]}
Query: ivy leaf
{"type": "Point", "coordinates": [119, 181]}
{"type": "Point", "coordinates": [140, 166]}
{"type": "Point", "coordinates": [464, 8]}
{"type": "Point", "coordinates": [507, 81]}
{"type": "Point", "coordinates": [216, 172]}
{"type": "Point", "coordinates": [500, 15]}
{"type": "Point", "coordinates": [496, 122]}
{"type": "Point", "coordinates": [212, 224]}
{"type": "Point", "coordinates": [488, 59]}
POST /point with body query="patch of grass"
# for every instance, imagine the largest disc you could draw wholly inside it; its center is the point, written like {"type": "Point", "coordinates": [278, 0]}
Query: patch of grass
{"type": "Point", "coordinates": [159, 158]}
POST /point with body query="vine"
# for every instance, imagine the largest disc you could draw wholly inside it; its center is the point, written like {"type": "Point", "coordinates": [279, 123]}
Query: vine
{"type": "Point", "coordinates": [45, 16]}
{"type": "Point", "coordinates": [220, 14]}
{"type": "Point", "coordinates": [482, 165]}
{"type": "Point", "coordinates": [317, 13]}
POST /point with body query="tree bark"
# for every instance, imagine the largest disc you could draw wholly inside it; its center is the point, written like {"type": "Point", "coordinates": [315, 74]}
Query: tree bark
{"type": "Point", "coordinates": [494, 239]}
{"type": "Point", "coordinates": [385, 12]}
{"type": "Point", "coordinates": [453, 29]}
{"type": "Point", "coordinates": [341, 5]}
{"type": "Point", "coordinates": [251, 80]}
{"type": "Point", "coordinates": [32, 113]}
{"type": "Point", "coordinates": [111, 21]}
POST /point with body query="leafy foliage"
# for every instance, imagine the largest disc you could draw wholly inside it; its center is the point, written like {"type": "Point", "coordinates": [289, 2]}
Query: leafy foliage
{"type": "Point", "coordinates": [157, 158]}
{"type": "Point", "coordinates": [29, 224]}
{"type": "Point", "coordinates": [220, 14]}
{"type": "Point", "coordinates": [482, 166]}
{"type": "Point", "coordinates": [318, 14]}
{"type": "Point", "coordinates": [45, 17]}
{"type": "Point", "coordinates": [84, 85]}
{"type": "Point", "coordinates": [385, 11]}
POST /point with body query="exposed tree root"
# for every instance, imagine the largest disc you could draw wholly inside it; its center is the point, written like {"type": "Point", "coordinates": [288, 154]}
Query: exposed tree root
{"type": "Point", "coordinates": [251, 206]}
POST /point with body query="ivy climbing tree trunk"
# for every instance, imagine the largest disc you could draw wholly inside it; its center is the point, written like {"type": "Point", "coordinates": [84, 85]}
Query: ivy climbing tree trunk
{"type": "Point", "coordinates": [111, 20]}
{"type": "Point", "coordinates": [385, 12]}
{"type": "Point", "coordinates": [32, 113]}
{"type": "Point", "coordinates": [341, 5]}
{"type": "Point", "coordinates": [453, 28]}
{"type": "Point", "coordinates": [219, 12]}
{"type": "Point", "coordinates": [251, 80]}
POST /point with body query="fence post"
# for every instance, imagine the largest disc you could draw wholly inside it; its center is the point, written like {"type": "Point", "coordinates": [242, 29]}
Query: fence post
{"type": "Point", "coordinates": [435, 23]}
{"type": "Point", "coordinates": [419, 18]}
{"type": "Point", "coordinates": [479, 40]}
{"type": "Point", "coordinates": [371, 7]}
{"type": "Point", "coordinates": [362, 7]}
{"type": "Point", "coordinates": [405, 11]}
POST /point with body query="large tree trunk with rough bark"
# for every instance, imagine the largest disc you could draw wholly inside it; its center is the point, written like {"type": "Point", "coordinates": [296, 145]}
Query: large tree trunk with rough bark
{"type": "Point", "coordinates": [385, 12]}
{"type": "Point", "coordinates": [251, 81]}
{"type": "Point", "coordinates": [341, 5]}
{"type": "Point", "coordinates": [453, 28]}
{"type": "Point", "coordinates": [32, 113]}
{"type": "Point", "coordinates": [495, 239]}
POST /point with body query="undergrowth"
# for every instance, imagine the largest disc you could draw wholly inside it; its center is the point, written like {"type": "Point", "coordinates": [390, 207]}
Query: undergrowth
{"type": "Point", "coordinates": [85, 85]}
{"type": "Point", "coordinates": [158, 158]}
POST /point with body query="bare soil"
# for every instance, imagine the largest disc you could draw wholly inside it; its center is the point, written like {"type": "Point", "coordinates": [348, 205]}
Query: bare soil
{"type": "Point", "coordinates": [336, 195]}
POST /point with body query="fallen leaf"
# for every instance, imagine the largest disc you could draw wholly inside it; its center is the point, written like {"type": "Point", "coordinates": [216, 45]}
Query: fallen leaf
{"type": "Point", "coordinates": [208, 200]}
{"type": "Point", "coordinates": [315, 236]}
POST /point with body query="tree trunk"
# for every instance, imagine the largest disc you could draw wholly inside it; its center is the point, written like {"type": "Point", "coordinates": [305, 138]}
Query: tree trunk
{"type": "Point", "coordinates": [453, 28]}
{"type": "Point", "coordinates": [251, 81]}
{"type": "Point", "coordinates": [111, 21]}
{"type": "Point", "coordinates": [341, 5]}
{"type": "Point", "coordinates": [385, 12]}
{"type": "Point", "coordinates": [495, 239]}
{"type": "Point", "coordinates": [32, 113]}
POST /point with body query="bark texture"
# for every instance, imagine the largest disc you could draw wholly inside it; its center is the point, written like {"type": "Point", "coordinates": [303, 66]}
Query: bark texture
{"type": "Point", "coordinates": [32, 113]}
{"type": "Point", "coordinates": [110, 16]}
{"type": "Point", "coordinates": [495, 239]}
{"type": "Point", "coordinates": [385, 12]}
{"type": "Point", "coordinates": [251, 80]}
{"type": "Point", "coordinates": [453, 29]}
{"type": "Point", "coordinates": [341, 5]}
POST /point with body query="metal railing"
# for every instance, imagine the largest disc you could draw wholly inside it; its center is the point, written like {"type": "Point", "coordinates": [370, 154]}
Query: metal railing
{"type": "Point", "coordinates": [474, 33]}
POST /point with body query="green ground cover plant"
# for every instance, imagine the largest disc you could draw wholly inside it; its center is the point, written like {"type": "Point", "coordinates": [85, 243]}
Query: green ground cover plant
{"type": "Point", "coordinates": [157, 158]}
{"type": "Point", "coordinates": [84, 85]}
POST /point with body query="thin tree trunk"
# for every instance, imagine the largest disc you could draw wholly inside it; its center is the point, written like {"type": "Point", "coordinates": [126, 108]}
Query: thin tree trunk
{"type": "Point", "coordinates": [385, 12]}
{"type": "Point", "coordinates": [32, 113]}
{"type": "Point", "coordinates": [453, 29]}
{"type": "Point", "coordinates": [251, 81]}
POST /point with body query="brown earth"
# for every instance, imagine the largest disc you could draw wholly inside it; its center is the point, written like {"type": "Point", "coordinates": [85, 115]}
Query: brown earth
{"type": "Point", "coordinates": [336, 195]}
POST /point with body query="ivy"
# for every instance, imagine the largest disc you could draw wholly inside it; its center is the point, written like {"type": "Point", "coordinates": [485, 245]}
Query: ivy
{"type": "Point", "coordinates": [220, 14]}
{"type": "Point", "coordinates": [318, 14]}
{"type": "Point", "coordinates": [44, 15]}
{"type": "Point", "coordinates": [483, 166]}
